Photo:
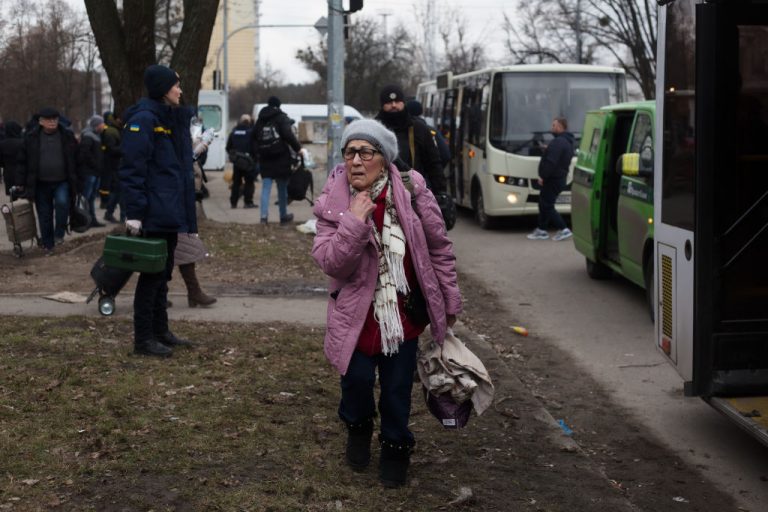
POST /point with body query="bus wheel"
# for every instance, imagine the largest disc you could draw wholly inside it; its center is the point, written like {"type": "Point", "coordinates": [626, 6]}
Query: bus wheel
{"type": "Point", "coordinates": [481, 217]}
{"type": "Point", "coordinates": [597, 270]}
{"type": "Point", "coordinates": [650, 287]}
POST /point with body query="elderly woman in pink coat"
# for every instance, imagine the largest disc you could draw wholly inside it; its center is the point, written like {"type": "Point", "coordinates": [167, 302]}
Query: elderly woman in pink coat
{"type": "Point", "coordinates": [392, 272]}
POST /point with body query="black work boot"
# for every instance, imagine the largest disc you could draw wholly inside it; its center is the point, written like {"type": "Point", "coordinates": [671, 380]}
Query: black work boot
{"type": "Point", "coordinates": [151, 347]}
{"type": "Point", "coordinates": [170, 340]}
{"type": "Point", "coordinates": [359, 444]}
{"type": "Point", "coordinates": [393, 465]}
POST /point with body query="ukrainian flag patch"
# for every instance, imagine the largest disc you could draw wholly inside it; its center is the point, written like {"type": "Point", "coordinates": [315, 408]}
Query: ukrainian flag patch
{"type": "Point", "coordinates": [133, 127]}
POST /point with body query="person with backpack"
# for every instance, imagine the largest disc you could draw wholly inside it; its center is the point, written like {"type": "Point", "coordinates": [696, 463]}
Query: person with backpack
{"type": "Point", "coordinates": [239, 149]}
{"type": "Point", "coordinates": [90, 164]}
{"type": "Point", "coordinates": [273, 140]}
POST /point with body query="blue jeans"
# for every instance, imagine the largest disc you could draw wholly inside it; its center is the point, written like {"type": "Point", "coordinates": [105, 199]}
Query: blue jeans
{"type": "Point", "coordinates": [547, 213]}
{"type": "Point", "coordinates": [52, 197]}
{"type": "Point", "coordinates": [282, 196]}
{"type": "Point", "coordinates": [90, 191]}
{"type": "Point", "coordinates": [396, 380]}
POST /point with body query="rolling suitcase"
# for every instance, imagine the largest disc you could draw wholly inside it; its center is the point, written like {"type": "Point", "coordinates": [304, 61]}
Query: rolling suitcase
{"type": "Point", "coordinates": [20, 223]}
{"type": "Point", "coordinates": [109, 281]}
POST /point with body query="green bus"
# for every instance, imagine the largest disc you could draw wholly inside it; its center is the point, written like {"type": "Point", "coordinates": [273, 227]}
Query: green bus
{"type": "Point", "coordinates": [612, 193]}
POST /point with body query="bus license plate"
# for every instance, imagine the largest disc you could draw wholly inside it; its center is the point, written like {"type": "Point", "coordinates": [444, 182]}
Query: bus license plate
{"type": "Point", "coordinates": [563, 199]}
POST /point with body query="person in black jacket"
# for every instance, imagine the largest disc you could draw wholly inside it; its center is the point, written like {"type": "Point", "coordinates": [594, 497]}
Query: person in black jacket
{"type": "Point", "coordinates": [553, 171]}
{"type": "Point", "coordinates": [47, 173]}
{"type": "Point", "coordinates": [9, 153]}
{"type": "Point", "coordinates": [416, 144]}
{"type": "Point", "coordinates": [90, 160]}
{"type": "Point", "coordinates": [157, 185]}
{"type": "Point", "coordinates": [239, 149]}
{"type": "Point", "coordinates": [273, 140]}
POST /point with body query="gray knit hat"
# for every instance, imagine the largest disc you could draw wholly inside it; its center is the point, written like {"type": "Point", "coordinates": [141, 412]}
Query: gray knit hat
{"type": "Point", "coordinates": [374, 132]}
{"type": "Point", "coordinates": [95, 121]}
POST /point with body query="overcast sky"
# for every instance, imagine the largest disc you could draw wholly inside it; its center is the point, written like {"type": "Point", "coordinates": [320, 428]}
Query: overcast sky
{"type": "Point", "coordinates": [279, 45]}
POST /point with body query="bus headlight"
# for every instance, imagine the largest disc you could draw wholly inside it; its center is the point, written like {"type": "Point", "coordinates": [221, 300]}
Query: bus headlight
{"type": "Point", "coordinates": [511, 180]}
{"type": "Point", "coordinates": [512, 198]}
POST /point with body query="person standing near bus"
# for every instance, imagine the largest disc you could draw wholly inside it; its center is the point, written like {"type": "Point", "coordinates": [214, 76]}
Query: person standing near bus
{"type": "Point", "coordinates": [416, 144]}
{"type": "Point", "coordinates": [553, 171]}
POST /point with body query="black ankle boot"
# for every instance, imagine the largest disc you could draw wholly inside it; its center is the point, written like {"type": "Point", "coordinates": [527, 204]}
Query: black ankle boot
{"type": "Point", "coordinates": [151, 347]}
{"type": "Point", "coordinates": [393, 465]}
{"type": "Point", "coordinates": [359, 444]}
{"type": "Point", "coordinates": [170, 340]}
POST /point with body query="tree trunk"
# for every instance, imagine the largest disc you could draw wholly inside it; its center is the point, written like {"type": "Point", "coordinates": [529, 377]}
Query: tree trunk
{"type": "Point", "coordinates": [192, 47]}
{"type": "Point", "coordinates": [127, 46]}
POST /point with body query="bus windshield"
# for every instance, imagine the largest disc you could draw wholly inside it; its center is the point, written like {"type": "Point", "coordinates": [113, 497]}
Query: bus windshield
{"type": "Point", "coordinates": [524, 104]}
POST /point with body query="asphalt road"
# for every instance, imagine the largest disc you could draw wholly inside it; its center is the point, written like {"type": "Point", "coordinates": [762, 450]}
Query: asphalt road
{"type": "Point", "coordinates": [605, 326]}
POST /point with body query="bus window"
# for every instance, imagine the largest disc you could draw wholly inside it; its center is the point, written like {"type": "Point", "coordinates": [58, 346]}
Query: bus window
{"type": "Point", "coordinates": [642, 137]}
{"type": "Point", "coordinates": [524, 105]}
{"type": "Point", "coordinates": [679, 158]}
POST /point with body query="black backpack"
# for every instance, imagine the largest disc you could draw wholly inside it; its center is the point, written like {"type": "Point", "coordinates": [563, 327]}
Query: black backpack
{"type": "Point", "coordinates": [269, 144]}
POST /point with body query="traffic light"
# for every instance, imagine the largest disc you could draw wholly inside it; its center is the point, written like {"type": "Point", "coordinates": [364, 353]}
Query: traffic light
{"type": "Point", "coordinates": [355, 5]}
{"type": "Point", "coordinates": [346, 26]}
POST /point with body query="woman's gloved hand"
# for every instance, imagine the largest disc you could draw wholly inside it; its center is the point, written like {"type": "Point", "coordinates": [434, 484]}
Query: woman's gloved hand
{"type": "Point", "coordinates": [133, 227]}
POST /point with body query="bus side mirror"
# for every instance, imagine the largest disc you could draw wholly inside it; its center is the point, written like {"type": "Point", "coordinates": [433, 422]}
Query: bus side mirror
{"type": "Point", "coordinates": [637, 164]}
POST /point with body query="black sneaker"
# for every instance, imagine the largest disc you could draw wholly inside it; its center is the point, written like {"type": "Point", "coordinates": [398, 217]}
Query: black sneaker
{"type": "Point", "coordinates": [250, 205]}
{"type": "Point", "coordinates": [286, 220]}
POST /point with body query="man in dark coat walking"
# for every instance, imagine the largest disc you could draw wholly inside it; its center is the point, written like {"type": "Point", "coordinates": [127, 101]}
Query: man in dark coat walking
{"type": "Point", "coordinates": [47, 172]}
{"type": "Point", "coordinates": [553, 171]}
{"type": "Point", "coordinates": [157, 184]}
{"type": "Point", "coordinates": [109, 188]}
{"type": "Point", "coordinates": [416, 145]}
{"type": "Point", "coordinates": [273, 140]}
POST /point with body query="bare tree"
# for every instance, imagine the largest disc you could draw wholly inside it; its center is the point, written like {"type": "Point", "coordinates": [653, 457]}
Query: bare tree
{"type": "Point", "coordinates": [628, 30]}
{"type": "Point", "coordinates": [574, 30]}
{"type": "Point", "coordinates": [462, 55]}
{"type": "Point", "coordinates": [127, 44]}
{"type": "Point", "coordinates": [46, 59]}
{"type": "Point", "coordinates": [373, 61]}
{"type": "Point", "coordinates": [550, 31]}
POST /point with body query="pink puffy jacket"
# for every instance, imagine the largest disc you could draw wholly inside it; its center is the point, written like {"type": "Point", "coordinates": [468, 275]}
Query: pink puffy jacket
{"type": "Point", "coordinates": [344, 248]}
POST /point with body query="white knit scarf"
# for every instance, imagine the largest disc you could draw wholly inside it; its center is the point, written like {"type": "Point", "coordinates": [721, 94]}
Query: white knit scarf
{"type": "Point", "coordinates": [391, 249]}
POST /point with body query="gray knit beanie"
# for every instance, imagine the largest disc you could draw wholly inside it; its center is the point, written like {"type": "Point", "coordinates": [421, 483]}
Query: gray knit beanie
{"type": "Point", "coordinates": [374, 132]}
{"type": "Point", "coordinates": [95, 121]}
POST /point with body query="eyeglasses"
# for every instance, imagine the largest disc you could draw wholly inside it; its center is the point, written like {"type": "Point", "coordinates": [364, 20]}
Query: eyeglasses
{"type": "Point", "coordinates": [366, 154]}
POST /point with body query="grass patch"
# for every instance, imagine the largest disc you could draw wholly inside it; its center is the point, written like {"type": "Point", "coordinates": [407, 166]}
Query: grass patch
{"type": "Point", "coordinates": [244, 421]}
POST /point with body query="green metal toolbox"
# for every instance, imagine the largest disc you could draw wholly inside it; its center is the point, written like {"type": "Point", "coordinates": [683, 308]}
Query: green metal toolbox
{"type": "Point", "coordinates": [146, 255]}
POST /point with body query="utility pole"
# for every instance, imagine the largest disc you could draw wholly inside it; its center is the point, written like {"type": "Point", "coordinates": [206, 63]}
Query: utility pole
{"type": "Point", "coordinates": [384, 14]}
{"type": "Point", "coordinates": [225, 24]}
{"type": "Point", "coordinates": [335, 81]}
{"type": "Point", "coordinates": [257, 38]}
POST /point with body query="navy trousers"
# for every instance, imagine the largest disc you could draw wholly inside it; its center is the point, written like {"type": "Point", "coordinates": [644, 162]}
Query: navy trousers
{"type": "Point", "coordinates": [150, 317]}
{"type": "Point", "coordinates": [396, 380]}
{"type": "Point", "coordinates": [547, 213]}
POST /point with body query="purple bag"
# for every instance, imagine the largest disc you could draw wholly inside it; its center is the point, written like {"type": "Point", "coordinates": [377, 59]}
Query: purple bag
{"type": "Point", "coordinates": [450, 414]}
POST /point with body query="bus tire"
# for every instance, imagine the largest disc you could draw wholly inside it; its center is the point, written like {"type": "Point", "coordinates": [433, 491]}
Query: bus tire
{"type": "Point", "coordinates": [597, 270]}
{"type": "Point", "coordinates": [483, 220]}
{"type": "Point", "coordinates": [650, 286]}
